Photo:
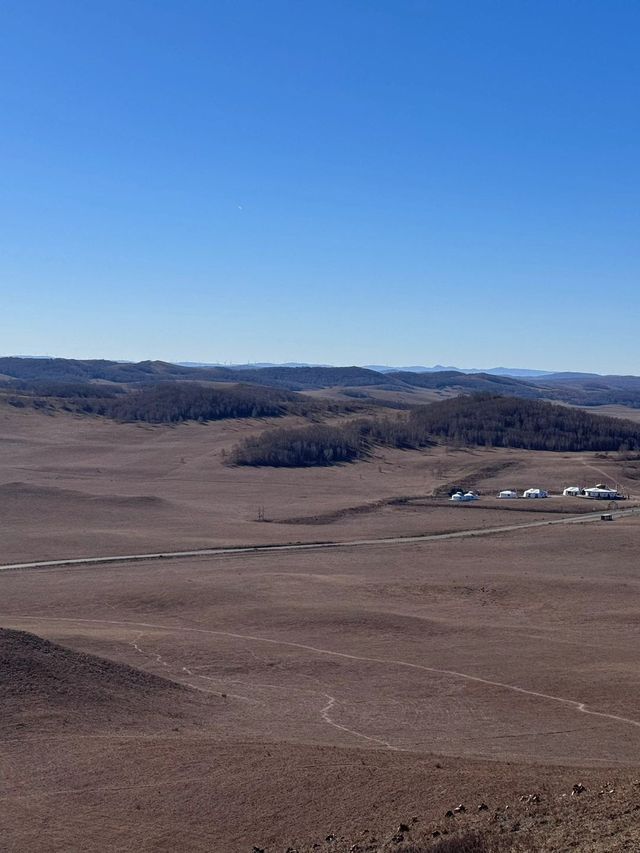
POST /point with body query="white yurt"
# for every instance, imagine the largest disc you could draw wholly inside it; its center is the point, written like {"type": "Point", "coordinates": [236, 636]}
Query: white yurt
{"type": "Point", "coordinates": [535, 493]}
{"type": "Point", "coordinates": [459, 497]}
{"type": "Point", "coordinates": [572, 492]}
{"type": "Point", "coordinates": [506, 494]}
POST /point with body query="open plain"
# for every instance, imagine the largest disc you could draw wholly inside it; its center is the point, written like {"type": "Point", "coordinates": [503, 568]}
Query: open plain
{"type": "Point", "coordinates": [291, 698]}
{"type": "Point", "coordinates": [74, 486]}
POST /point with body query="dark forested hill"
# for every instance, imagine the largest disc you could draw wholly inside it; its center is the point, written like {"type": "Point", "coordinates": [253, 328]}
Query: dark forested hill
{"type": "Point", "coordinates": [477, 420]}
{"type": "Point", "coordinates": [498, 421]}
{"type": "Point", "coordinates": [171, 402]}
{"type": "Point", "coordinates": [468, 383]}
{"type": "Point", "coordinates": [575, 388]}
{"type": "Point", "coordinates": [292, 378]}
{"type": "Point", "coordinates": [174, 402]}
{"type": "Point", "coordinates": [585, 390]}
{"type": "Point", "coordinates": [299, 378]}
{"type": "Point", "coordinates": [70, 370]}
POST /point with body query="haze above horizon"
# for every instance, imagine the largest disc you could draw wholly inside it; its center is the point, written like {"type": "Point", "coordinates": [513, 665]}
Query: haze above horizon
{"type": "Point", "coordinates": [351, 182]}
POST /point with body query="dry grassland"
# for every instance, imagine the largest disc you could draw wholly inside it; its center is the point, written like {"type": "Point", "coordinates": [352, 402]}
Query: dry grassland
{"type": "Point", "coordinates": [74, 486]}
{"type": "Point", "coordinates": [322, 693]}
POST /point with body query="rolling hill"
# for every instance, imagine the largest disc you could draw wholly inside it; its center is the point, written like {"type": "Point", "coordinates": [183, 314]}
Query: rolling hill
{"type": "Point", "coordinates": [580, 389]}
{"type": "Point", "coordinates": [48, 686]}
{"type": "Point", "coordinates": [499, 421]}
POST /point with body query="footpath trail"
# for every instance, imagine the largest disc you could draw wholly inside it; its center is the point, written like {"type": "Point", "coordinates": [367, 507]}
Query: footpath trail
{"type": "Point", "coordinates": [573, 704]}
{"type": "Point", "coordinates": [83, 562]}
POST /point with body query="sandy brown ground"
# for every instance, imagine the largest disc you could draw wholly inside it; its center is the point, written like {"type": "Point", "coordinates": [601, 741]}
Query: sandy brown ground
{"type": "Point", "coordinates": [346, 675]}
{"type": "Point", "coordinates": [73, 486]}
{"type": "Point", "coordinates": [327, 692]}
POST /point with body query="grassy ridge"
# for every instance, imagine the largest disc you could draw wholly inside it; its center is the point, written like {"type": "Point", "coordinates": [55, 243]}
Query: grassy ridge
{"type": "Point", "coordinates": [299, 448]}
{"type": "Point", "coordinates": [177, 402]}
{"type": "Point", "coordinates": [171, 402]}
{"type": "Point", "coordinates": [577, 389]}
{"type": "Point", "coordinates": [327, 444]}
{"type": "Point", "coordinates": [481, 420]}
{"type": "Point", "coordinates": [496, 421]}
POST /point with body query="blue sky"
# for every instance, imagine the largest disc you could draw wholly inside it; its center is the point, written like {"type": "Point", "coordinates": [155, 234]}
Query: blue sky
{"type": "Point", "coordinates": [351, 182]}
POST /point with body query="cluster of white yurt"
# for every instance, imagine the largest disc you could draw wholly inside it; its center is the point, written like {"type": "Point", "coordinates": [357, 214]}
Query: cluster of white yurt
{"type": "Point", "coordinates": [510, 494]}
{"type": "Point", "coordinates": [597, 492]}
{"type": "Point", "coordinates": [463, 497]}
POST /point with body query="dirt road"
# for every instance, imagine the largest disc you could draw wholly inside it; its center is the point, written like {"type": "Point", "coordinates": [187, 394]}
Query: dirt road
{"type": "Point", "coordinates": [308, 546]}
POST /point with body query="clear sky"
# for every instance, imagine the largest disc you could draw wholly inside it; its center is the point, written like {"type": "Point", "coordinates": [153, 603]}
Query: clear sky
{"type": "Point", "coordinates": [344, 181]}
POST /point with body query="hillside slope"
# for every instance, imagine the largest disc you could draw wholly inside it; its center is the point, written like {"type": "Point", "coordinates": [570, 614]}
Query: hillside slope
{"type": "Point", "coordinates": [497, 421]}
{"type": "Point", "coordinates": [575, 388]}
{"type": "Point", "coordinates": [46, 686]}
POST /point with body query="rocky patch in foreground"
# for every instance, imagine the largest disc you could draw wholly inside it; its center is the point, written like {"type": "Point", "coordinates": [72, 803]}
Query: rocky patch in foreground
{"type": "Point", "coordinates": [603, 819]}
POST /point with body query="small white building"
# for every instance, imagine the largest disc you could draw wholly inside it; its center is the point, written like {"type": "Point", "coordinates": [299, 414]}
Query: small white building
{"type": "Point", "coordinates": [535, 493]}
{"type": "Point", "coordinates": [602, 493]}
{"type": "Point", "coordinates": [572, 492]}
{"type": "Point", "coordinates": [507, 493]}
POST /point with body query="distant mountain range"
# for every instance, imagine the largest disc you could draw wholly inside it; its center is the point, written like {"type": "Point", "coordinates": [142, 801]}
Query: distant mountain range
{"type": "Point", "coordinates": [381, 368]}
{"type": "Point", "coordinates": [439, 368]}
{"type": "Point", "coordinates": [586, 389]}
{"type": "Point", "coordinates": [258, 365]}
{"type": "Point", "coordinates": [517, 372]}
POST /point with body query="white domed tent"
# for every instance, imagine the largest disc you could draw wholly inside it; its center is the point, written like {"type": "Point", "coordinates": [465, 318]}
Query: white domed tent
{"type": "Point", "coordinates": [459, 497]}
{"type": "Point", "coordinates": [572, 492]}
{"type": "Point", "coordinates": [507, 493]}
{"type": "Point", "coordinates": [535, 493]}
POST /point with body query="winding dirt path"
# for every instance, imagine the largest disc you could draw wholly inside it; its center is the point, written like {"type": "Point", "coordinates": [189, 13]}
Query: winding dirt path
{"type": "Point", "coordinates": [580, 707]}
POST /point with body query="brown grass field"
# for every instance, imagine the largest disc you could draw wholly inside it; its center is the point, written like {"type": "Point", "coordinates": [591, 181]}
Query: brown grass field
{"type": "Point", "coordinates": [299, 698]}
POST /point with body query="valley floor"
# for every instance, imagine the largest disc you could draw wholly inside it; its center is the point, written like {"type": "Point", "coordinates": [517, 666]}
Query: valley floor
{"type": "Point", "coordinates": [324, 693]}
